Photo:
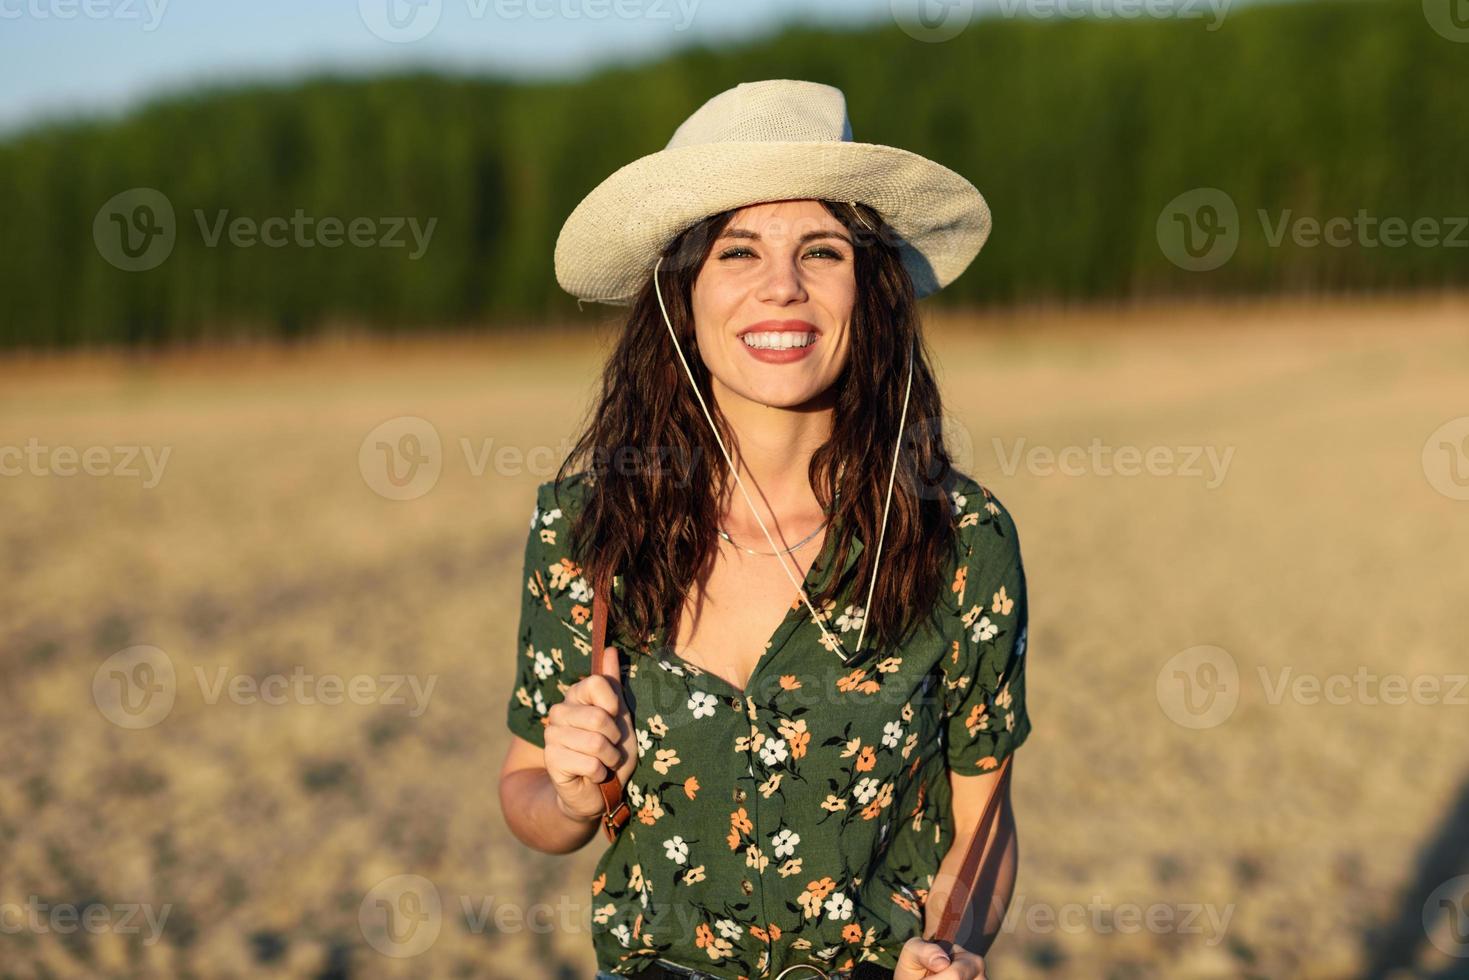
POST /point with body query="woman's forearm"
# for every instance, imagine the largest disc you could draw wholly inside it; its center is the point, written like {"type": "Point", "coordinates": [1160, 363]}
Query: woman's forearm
{"type": "Point", "coordinates": [993, 888]}
{"type": "Point", "coordinates": [533, 812]}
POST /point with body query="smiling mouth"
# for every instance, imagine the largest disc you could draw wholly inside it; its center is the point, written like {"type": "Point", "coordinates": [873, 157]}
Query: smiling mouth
{"type": "Point", "coordinates": [781, 340]}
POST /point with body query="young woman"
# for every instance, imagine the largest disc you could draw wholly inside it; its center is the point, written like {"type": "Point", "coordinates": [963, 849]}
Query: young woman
{"type": "Point", "coordinates": [820, 623]}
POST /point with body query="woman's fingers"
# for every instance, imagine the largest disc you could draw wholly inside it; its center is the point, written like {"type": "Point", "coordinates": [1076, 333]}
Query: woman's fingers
{"type": "Point", "coordinates": [918, 959]}
{"type": "Point", "coordinates": [921, 960]}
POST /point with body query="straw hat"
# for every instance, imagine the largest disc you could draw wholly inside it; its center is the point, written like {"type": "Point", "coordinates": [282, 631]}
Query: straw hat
{"type": "Point", "coordinates": [772, 140]}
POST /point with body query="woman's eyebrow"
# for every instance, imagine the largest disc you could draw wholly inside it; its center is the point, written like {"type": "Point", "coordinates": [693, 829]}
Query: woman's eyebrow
{"type": "Point", "coordinates": [810, 235]}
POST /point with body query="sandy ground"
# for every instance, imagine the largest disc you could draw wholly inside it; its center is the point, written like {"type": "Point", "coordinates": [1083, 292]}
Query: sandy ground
{"type": "Point", "coordinates": [1246, 548]}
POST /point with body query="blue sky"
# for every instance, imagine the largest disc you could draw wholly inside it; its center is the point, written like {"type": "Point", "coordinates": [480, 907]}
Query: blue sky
{"type": "Point", "coordinates": [63, 57]}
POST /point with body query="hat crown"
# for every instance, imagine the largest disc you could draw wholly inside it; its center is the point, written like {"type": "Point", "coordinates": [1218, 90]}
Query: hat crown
{"type": "Point", "coordinates": [779, 110]}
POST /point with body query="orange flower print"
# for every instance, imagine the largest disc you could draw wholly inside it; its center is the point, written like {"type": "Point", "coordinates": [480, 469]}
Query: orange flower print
{"type": "Point", "coordinates": [903, 901]}
{"type": "Point", "coordinates": [691, 787]}
{"type": "Point", "coordinates": [866, 759]}
{"type": "Point", "coordinates": [852, 932]}
{"type": "Point", "coordinates": [598, 883]}
{"type": "Point", "coordinates": [538, 588]}
{"type": "Point", "coordinates": [651, 810]}
{"type": "Point", "coordinates": [1002, 603]}
{"type": "Point", "coordinates": [789, 682]}
{"type": "Point", "coordinates": [851, 680]}
{"type": "Point", "coordinates": [796, 735]}
{"type": "Point", "coordinates": [960, 578]}
{"type": "Point", "coordinates": [977, 721]}
{"type": "Point", "coordinates": [563, 572]}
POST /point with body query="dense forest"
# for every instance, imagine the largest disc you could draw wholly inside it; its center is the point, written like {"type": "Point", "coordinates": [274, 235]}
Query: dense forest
{"type": "Point", "coordinates": [1079, 132]}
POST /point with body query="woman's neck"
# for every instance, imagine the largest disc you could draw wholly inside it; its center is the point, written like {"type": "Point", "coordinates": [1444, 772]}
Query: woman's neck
{"type": "Point", "coordinates": [773, 449]}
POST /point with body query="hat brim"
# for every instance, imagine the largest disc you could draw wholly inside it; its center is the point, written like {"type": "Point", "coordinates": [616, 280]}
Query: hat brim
{"type": "Point", "coordinates": [608, 246]}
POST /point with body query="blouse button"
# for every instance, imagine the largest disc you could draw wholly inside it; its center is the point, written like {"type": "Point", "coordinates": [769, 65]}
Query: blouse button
{"type": "Point", "coordinates": [746, 887]}
{"type": "Point", "coordinates": [739, 794]}
{"type": "Point", "coordinates": [736, 704]}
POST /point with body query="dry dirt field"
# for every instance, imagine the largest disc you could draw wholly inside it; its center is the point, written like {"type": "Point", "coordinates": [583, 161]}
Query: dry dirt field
{"type": "Point", "coordinates": [1245, 533]}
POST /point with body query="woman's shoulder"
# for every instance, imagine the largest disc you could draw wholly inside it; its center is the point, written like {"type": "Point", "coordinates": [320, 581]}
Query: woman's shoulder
{"type": "Point", "coordinates": [563, 498]}
{"type": "Point", "coordinates": [988, 535]}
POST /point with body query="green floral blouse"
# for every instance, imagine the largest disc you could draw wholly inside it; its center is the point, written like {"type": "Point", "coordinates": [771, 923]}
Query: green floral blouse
{"type": "Point", "coordinates": [803, 819]}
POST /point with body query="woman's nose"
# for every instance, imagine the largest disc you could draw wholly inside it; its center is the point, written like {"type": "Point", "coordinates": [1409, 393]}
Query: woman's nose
{"type": "Point", "coordinates": [782, 283]}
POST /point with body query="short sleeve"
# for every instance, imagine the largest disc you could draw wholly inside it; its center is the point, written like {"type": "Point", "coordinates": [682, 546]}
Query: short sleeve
{"type": "Point", "coordinates": [985, 709]}
{"type": "Point", "coordinates": [553, 638]}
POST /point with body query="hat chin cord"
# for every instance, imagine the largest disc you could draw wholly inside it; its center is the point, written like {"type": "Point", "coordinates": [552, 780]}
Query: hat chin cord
{"type": "Point", "coordinates": [831, 642]}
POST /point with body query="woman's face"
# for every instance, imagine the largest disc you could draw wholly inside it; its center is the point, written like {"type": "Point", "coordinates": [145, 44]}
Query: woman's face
{"type": "Point", "coordinates": [773, 303]}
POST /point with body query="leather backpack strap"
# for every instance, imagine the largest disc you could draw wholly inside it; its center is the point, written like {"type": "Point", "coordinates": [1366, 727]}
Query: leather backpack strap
{"type": "Point", "coordinates": [615, 811]}
{"type": "Point", "coordinates": [955, 911]}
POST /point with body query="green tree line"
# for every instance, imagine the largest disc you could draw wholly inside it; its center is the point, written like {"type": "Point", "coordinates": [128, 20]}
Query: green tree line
{"type": "Point", "coordinates": [1080, 132]}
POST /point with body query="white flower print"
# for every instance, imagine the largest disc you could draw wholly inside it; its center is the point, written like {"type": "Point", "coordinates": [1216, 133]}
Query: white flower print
{"type": "Point", "coordinates": [541, 707]}
{"type": "Point", "coordinates": [644, 742]}
{"type": "Point", "coordinates": [785, 842]}
{"type": "Point", "coordinates": [676, 849]}
{"type": "Point", "coordinates": [984, 630]}
{"type": "Point", "coordinates": [866, 790]}
{"type": "Point", "coordinates": [702, 703]}
{"type": "Point", "coordinates": [581, 590]}
{"type": "Point", "coordinates": [551, 516]}
{"type": "Point", "coordinates": [851, 618]}
{"type": "Point", "coordinates": [774, 752]}
{"type": "Point", "coordinates": [729, 929]}
{"type": "Point", "coordinates": [544, 666]}
{"type": "Point", "coordinates": [838, 906]}
{"type": "Point", "coordinates": [891, 733]}
{"type": "Point", "coordinates": [958, 500]}
{"type": "Point", "coordinates": [623, 934]}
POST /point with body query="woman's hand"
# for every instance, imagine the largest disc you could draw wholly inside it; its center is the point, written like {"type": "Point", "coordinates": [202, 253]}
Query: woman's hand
{"type": "Point", "coordinates": [920, 959]}
{"type": "Point", "coordinates": [589, 735]}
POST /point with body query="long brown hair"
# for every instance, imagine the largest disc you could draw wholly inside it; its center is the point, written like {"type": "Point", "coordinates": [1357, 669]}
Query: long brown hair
{"type": "Point", "coordinates": [656, 472]}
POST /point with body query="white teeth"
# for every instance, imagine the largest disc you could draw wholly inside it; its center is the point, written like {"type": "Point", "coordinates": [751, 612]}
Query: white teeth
{"type": "Point", "coordinates": [779, 341]}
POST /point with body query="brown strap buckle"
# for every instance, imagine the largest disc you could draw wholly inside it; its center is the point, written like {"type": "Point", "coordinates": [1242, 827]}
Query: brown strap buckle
{"type": "Point", "coordinates": [613, 819]}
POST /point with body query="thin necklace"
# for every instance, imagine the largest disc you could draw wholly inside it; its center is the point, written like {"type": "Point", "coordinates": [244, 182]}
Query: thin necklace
{"type": "Point", "coordinates": [787, 551]}
{"type": "Point", "coordinates": [723, 534]}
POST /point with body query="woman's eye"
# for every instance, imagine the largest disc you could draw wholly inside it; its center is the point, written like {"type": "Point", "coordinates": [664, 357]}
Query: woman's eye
{"type": "Point", "coordinates": [820, 252]}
